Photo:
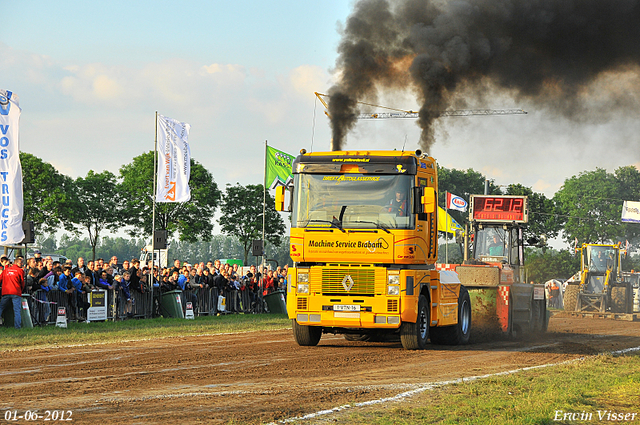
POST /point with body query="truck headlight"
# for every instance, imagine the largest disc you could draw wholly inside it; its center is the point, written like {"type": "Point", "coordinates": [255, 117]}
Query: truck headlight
{"type": "Point", "coordinates": [393, 290]}
{"type": "Point", "coordinates": [393, 279]}
{"type": "Point", "coordinates": [303, 288]}
{"type": "Point", "coordinates": [303, 277]}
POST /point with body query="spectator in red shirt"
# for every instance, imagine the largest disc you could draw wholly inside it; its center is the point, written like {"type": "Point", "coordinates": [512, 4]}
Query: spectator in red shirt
{"type": "Point", "coordinates": [268, 283]}
{"type": "Point", "coordinates": [12, 280]}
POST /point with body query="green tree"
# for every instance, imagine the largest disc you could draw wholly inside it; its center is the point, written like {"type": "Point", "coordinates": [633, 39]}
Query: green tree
{"type": "Point", "coordinates": [193, 220]}
{"type": "Point", "coordinates": [628, 179]}
{"type": "Point", "coordinates": [463, 183]}
{"type": "Point", "coordinates": [71, 246]}
{"type": "Point", "coordinates": [591, 201]}
{"type": "Point", "coordinates": [544, 219]}
{"type": "Point", "coordinates": [545, 264]}
{"type": "Point", "coordinates": [280, 253]}
{"type": "Point", "coordinates": [95, 205]}
{"type": "Point", "coordinates": [242, 216]}
{"type": "Point", "coordinates": [46, 194]}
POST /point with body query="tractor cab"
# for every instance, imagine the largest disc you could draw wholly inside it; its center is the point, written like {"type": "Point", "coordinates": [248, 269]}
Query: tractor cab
{"type": "Point", "coordinates": [600, 265]}
{"type": "Point", "coordinates": [600, 285]}
{"type": "Point", "coordinates": [497, 244]}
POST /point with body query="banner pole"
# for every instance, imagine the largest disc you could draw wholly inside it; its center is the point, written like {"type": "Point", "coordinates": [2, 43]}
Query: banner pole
{"type": "Point", "coordinates": [264, 212]}
{"type": "Point", "coordinates": [153, 197]}
{"type": "Point", "coordinates": [446, 233]}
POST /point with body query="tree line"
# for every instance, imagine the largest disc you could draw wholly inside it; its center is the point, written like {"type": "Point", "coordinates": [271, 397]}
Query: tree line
{"type": "Point", "coordinates": [219, 247]}
{"type": "Point", "coordinates": [587, 208]}
{"type": "Point", "coordinates": [102, 201]}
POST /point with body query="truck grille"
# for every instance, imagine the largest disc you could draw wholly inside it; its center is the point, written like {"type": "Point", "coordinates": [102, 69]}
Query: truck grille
{"type": "Point", "coordinates": [302, 303]}
{"type": "Point", "coordinates": [346, 280]}
{"type": "Point", "coordinates": [392, 306]}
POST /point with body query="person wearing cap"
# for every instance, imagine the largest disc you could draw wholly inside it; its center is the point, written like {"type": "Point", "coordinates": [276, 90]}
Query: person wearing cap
{"type": "Point", "coordinates": [12, 281]}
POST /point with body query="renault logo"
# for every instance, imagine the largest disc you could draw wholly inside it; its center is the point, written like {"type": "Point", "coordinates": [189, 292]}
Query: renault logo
{"type": "Point", "coordinates": [347, 283]}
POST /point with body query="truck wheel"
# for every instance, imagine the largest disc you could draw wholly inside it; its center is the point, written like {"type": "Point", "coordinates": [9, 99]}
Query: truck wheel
{"type": "Point", "coordinates": [414, 336]}
{"type": "Point", "coordinates": [539, 316]}
{"type": "Point", "coordinates": [571, 297]}
{"type": "Point", "coordinates": [619, 299]}
{"type": "Point", "coordinates": [357, 337]}
{"type": "Point", "coordinates": [306, 336]}
{"type": "Point", "coordinates": [459, 333]}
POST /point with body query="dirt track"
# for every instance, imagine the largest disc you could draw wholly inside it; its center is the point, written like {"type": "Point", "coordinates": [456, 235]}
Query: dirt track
{"type": "Point", "coordinates": [263, 377]}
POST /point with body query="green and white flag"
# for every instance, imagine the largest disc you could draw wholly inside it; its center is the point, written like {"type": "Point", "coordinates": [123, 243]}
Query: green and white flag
{"type": "Point", "coordinates": [278, 168]}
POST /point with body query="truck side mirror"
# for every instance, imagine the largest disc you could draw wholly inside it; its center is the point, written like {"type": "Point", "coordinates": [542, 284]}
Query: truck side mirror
{"type": "Point", "coordinates": [428, 200]}
{"type": "Point", "coordinates": [281, 192]}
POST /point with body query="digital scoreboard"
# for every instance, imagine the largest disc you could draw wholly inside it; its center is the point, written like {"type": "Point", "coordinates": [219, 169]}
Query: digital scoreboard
{"type": "Point", "coordinates": [499, 208]}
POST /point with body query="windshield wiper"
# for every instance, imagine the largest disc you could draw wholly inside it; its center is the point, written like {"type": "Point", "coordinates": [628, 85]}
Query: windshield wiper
{"type": "Point", "coordinates": [334, 224]}
{"type": "Point", "coordinates": [378, 225]}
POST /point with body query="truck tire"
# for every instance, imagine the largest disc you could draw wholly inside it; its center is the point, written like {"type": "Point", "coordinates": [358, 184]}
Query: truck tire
{"type": "Point", "coordinates": [459, 333]}
{"type": "Point", "coordinates": [539, 316]}
{"type": "Point", "coordinates": [357, 337]}
{"type": "Point", "coordinates": [571, 297]}
{"type": "Point", "coordinates": [414, 336]}
{"type": "Point", "coordinates": [306, 336]}
{"type": "Point", "coordinates": [619, 299]}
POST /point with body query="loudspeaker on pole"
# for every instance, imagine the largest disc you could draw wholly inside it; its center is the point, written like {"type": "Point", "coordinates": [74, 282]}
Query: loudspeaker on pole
{"type": "Point", "coordinates": [159, 239]}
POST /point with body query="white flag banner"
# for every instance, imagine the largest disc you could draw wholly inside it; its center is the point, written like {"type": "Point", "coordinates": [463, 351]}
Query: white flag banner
{"type": "Point", "coordinates": [631, 212]}
{"type": "Point", "coordinates": [10, 170]}
{"type": "Point", "coordinates": [174, 161]}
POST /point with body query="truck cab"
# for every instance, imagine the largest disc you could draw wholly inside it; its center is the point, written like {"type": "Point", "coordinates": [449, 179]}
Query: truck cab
{"type": "Point", "coordinates": [364, 243]}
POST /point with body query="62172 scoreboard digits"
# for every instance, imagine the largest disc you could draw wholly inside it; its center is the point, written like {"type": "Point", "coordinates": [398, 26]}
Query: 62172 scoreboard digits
{"type": "Point", "coordinates": [499, 209]}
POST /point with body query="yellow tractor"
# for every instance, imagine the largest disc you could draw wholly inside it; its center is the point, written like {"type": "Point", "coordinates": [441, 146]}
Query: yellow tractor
{"type": "Point", "coordinates": [599, 286]}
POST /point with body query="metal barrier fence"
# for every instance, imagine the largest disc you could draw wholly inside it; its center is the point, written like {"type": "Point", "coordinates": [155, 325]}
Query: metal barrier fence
{"type": "Point", "coordinates": [44, 305]}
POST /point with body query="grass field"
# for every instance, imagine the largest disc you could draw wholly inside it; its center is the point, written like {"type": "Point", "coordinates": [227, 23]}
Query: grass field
{"type": "Point", "coordinates": [128, 330]}
{"type": "Point", "coordinates": [600, 389]}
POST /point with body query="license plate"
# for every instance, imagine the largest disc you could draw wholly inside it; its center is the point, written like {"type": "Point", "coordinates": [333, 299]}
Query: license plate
{"type": "Point", "coordinates": [346, 307]}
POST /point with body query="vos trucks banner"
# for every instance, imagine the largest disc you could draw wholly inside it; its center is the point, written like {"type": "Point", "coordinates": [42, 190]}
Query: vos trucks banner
{"type": "Point", "coordinates": [10, 170]}
{"type": "Point", "coordinates": [631, 212]}
{"type": "Point", "coordinates": [174, 161]}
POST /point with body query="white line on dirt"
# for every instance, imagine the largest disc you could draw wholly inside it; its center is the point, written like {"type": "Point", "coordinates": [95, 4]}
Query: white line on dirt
{"type": "Point", "coordinates": [433, 385]}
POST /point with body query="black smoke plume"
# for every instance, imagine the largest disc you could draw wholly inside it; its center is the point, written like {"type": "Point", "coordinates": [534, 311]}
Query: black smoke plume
{"type": "Point", "coordinates": [544, 51]}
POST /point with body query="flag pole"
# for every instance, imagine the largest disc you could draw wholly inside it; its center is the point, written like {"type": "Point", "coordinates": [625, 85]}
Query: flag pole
{"type": "Point", "coordinates": [264, 213]}
{"type": "Point", "coordinates": [153, 198]}
{"type": "Point", "coordinates": [446, 231]}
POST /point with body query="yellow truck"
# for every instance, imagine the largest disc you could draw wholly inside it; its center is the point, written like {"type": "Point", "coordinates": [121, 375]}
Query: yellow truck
{"type": "Point", "coordinates": [364, 242]}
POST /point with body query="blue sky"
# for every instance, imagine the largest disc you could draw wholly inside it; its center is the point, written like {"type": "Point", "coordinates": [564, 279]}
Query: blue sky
{"type": "Point", "coordinates": [90, 76]}
{"type": "Point", "coordinates": [275, 36]}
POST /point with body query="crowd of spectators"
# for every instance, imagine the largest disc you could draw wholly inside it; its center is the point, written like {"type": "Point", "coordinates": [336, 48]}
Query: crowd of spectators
{"type": "Point", "coordinates": [42, 275]}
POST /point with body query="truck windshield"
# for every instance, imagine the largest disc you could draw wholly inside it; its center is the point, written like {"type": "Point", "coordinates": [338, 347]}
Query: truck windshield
{"type": "Point", "coordinates": [601, 259]}
{"type": "Point", "coordinates": [491, 243]}
{"type": "Point", "coordinates": [355, 201]}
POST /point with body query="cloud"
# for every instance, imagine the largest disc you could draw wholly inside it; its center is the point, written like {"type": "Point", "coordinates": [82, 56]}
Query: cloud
{"type": "Point", "coordinates": [307, 79]}
{"type": "Point", "coordinates": [543, 186]}
{"type": "Point", "coordinates": [100, 115]}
